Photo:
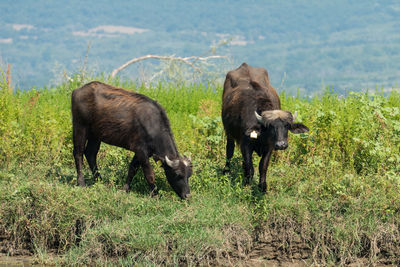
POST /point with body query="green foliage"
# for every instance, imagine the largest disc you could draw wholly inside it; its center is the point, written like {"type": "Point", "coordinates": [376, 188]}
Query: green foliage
{"type": "Point", "coordinates": [209, 129]}
{"type": "Point", "coordinates": [335, 189]}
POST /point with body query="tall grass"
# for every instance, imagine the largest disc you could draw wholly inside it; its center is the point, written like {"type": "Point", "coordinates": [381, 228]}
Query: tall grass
{"type": "Point", "coordinates": [334, 190]}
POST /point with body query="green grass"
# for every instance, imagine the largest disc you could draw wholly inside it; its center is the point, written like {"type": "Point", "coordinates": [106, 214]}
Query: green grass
{"type": "Point", "coordinates": [334, 190]}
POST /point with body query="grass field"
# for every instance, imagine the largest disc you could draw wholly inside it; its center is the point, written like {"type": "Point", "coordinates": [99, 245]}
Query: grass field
{"type": "Point", "coordinates": [332, 196]}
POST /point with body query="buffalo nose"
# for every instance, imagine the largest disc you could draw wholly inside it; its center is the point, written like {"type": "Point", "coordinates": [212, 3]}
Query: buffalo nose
{"type": "Point", "coordinates": [281, 145]}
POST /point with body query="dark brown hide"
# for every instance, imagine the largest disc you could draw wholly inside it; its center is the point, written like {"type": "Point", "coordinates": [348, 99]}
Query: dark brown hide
{"type": "Point", "coordinates": [103, 113]}
{"type": "Point", "coordinates": [248, 94]}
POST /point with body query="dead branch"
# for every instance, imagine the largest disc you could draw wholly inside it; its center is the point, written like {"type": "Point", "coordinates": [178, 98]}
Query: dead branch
{"type": "Point", "coordinates": [282, 81]}
{"type": "Point", "coordinates": [186, 60]}
{"type": "Point", "coordinates": [86, 59]}
{"type": "Point", "coordinates": [8, 78]}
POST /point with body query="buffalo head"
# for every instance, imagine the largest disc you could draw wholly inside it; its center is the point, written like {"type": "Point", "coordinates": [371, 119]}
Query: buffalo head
{"type": "Point", "coordinates": [178, 172]}
{"type": "Point", "coordinates": [277, 123]}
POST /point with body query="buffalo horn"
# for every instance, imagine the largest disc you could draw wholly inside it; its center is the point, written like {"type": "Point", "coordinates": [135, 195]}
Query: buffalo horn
{"type": "Point", "coordinates": [259, 118]}
{"type": "Point", "coordinates": [172, 163]}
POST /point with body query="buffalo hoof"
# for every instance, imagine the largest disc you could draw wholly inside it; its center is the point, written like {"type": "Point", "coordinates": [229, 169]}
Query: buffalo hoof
{"type": "Point", "coordinates": [247, 180]}
{"type": "Point", "coordinates": [127, 188]}
{"type": "Point", "coordinates": [226, 170]}
{"type": "Point", "coordinates": [262, 187]}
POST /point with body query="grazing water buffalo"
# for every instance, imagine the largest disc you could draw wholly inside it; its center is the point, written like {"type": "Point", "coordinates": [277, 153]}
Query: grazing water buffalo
{"type": "Point", "coordinates": [103, 113]}
{"type": "Point", "coordinates": [252, 116]}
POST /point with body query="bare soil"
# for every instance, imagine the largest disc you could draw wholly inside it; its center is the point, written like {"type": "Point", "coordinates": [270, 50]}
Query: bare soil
{"type": "Point", "coordinates": [265, 252]}
{"type": "Point", "coordinates": [11, 261]}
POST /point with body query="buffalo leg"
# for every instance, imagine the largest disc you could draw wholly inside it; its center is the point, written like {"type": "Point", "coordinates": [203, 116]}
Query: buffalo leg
{"type": "Point", "coordinates": [262, 168]}
{"type": "Point", "coordinates": [133, 167]}
{"type": "Point", "coordinates": [79, 139]}
{"type": "Point", "coordinates": [247, 162]}
{"type": "Point", "coordinates": [91, 150]}
{"type": "Point", "coordinates": [149, 174]}
{"type": "Point", "coordinates": [230, 148]}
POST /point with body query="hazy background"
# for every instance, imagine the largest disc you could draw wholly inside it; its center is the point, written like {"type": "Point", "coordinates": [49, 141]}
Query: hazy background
{"type": "Point", "coordinates": [304, 44]}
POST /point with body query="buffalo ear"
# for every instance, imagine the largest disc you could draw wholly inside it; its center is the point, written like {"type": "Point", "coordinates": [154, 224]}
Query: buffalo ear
{"type": "Point", "coordinates": [294, 115]}
{"type": "Point", "coordinates": [297, 128]}
{"type": "Point", "coordinates": [252, 133]}
{"type": "Point", "coordinates": [187, 161]}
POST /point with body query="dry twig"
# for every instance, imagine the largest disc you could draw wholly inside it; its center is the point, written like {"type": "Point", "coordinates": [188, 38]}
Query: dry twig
{"type": "Point", "coordinates": [186, 60]}
{"type": "Point", "coordinates": [8, 78]}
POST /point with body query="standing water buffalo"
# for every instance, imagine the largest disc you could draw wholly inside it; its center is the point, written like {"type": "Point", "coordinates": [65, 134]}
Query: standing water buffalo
{"type": "Point", "coordinates": [103, 113]}
{"type": "Point", "coordinates": [252, 116]}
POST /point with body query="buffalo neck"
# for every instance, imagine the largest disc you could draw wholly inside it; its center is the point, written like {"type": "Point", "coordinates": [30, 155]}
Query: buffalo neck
{"type": "Point", "coordinates": [166, 146]}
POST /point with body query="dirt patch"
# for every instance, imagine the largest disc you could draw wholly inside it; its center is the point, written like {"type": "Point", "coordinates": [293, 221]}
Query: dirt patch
{"type": "Point", "coordinates": [9, 256]}
{"type": "Point", "coordinates": [276, 263]}
{"type": "Point", "coordinates": [272, 254]}
{"type": "Point", "coordinates": [265, 251]}
{"type": "Point", "coordinates": [269, 254]}
{"type": "Point", "coordinates": [270, 247]}
{"type": "Point", "coordinates": [11, 261]}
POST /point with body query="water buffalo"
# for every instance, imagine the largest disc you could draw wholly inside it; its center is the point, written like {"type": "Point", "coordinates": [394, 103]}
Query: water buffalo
{"type": "Point", "coordinates": [104, 113]}
{"type": "Point", "coordinates": [252, 116]}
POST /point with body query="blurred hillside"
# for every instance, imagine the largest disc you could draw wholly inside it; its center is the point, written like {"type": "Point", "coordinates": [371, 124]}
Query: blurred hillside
{"type": "Point", "coordinates": [306, 44]}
